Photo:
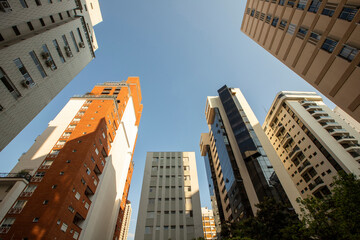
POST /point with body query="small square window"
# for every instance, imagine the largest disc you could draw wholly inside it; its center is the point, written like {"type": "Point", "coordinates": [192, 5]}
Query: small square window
{"type": "Point", "coordinates": [35, 220]}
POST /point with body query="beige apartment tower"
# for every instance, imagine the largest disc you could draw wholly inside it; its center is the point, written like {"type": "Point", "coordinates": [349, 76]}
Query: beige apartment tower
{"type": "Point", "coordinates": [170, 202]}
{"type": "Point", "coordinates": [318, 39]}
{"type": "Point", "coordinates": [312, 141]}
{"type": "Point", "coordinates": [44, 44]}
{"type": "Point", "coordinates": [126, 222]}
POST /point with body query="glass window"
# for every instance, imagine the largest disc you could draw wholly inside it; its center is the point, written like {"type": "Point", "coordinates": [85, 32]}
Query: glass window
{"type": "Point", "coordinates": [74, 41]}
{"type": "Point", "coordinates": [314, 6]}
{"type": "Point", "coordinates": [291, 28]}
{"type": "Point", "coordinates": [49, 61]}
{"type": "Point", "coordinates": [275, 21]}
{"type": "Point", "coordinates": [57, 47]}
{"type": "Point", "coordinates": [28, 82]}
{"type": "Point", "coordinates": [23, 3]}
{"type": "Point", "coordinates": [37, 64]}
{"type": "Point", "coordinates": [329, 45]}
{"type": "Point", "coordinates": [9, 85]}
{"type": "Point", "coordinates": [348, 52]}
{"type": "Point", "coordinates": [80, 36]}
{"type": "Point", "coordinates": [348, 13]}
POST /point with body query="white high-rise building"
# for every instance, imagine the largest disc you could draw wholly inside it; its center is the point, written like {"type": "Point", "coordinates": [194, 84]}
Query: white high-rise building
{"type": "Point", "coordinates": [170, 202]}
{"type": "Point", "coordinates": [312, 141]}
{"type": "Point", "coordinates": [209, 226]}
{"type": "Point", "coordinates": [44, 44]}
{"type": "Point", "coordinates": [126, 222]}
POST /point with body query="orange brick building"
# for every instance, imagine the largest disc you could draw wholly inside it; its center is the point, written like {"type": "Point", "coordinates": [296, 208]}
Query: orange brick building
{"type": "Point", "coordinates": [82, 167]}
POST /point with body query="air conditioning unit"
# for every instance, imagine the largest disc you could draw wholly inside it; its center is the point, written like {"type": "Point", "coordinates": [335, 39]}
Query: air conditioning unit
{"type": "Point", "coordinates": [45, 55]}
{"type": "Point", "coordinates": [25, 83]}
{"type": "Point", "coordinates": [68, 51]}
{"type": "Point", "coordinates": [5, 6]}
{"type": "Point", "coordinates": [49, 63]}
{"type": "Point", "coordinates": [81, 44]}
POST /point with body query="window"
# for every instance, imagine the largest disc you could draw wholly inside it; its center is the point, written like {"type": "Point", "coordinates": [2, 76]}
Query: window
{"type": "Point", "coordinates": [54, 186]}
{"type": "Point", "coordinates": [60, 15]}
{"type": "Point", "coordinates": [71, 209]}
{"type": "Point", "coordinates": [30, 188]}
{"type": "Point", "coordinates": [64, 227]}
{"type": "Point", "coordinates": [45, 202]}
{"type": "Point", "coordinates": [23, 3]}
{"type": "Point", "coordinates": [38, 3]}
{"type": "Point", "coordinates": [348, 13]}
{"type": "Point", "coordinates": [47, 163]}
{"type": "Point", "coordinates": [291, 3]}
{"type": "Point", "coordinates": [28, 82]}
{"type": "Point", "coordinates": [20, 204]}
{"type": "Point", "coordinates": [52, 19]}
{"type": "Point", "coordinates": [302, 32]}
{"type": "Point", "coordinates": [282, 24]}
{"type": "Point", "coordinates": [314, 6]}
{"type": "Point", "coordinates": [80, 36]}
{"type": "Point", "coordinates": [8, 222]}
{"type": "Point", "coordinates": [59, 51]}
{"type": "Point", "coordinates": [88, 171]}
{"type": "Point", "coordinates": [268, 18]}
{"type": "Point", "coordinates": [74, 41]}
{"type": "Point", "coordinates": [291, 29]}
{"type": "Point", "coordinates": [329, 45]}
{"type": "Point", "coordinates": [96, 151]}
{"type": "Point", "coordinates": [274, 21]}
{"type": "Point", "coordinates": [42, 22]}
{"type": "Point", "coordinates": [49, 61]}
{"type": "Point", "coordinates": [348, 52]}
{"type": "Point", "coordinates": [150, 215]}
{"type": "Point", "coordinates": [77, 195]}
{"type": "Point", "coordinates": [76, 235]}
{"type": "Point", "coordinates": [36, 219]}
{"type": "Point", "coordinates": [30, 26]}
{"type": "Point", "coordinates": [328, 11]}
{"type": "Point", "coordinates": [1, 38]}
{"type": "Point", "coordinates": [252, 12]}
{"type": "Point", "coordinates": [302, 3]}
{"type": "Point", "coordinates": [148, 230]}
{"type": "Point", "coordinates": [9, 85]}
{"type": "Point", "coordinates": [38, 64]}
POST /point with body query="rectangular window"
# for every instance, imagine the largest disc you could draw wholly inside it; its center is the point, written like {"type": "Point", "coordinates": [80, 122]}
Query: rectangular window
{"type": "Point", "coordinates": [57, 47]}
{"type": "Point", "coordinates": [302, 3]}
{"type": "Point", "coordinates": [16, 30]}
{"type": "Point", "coordinates": [9, 85]}
{"type": "Point", "coordinates": [38, 3]}
{"type": "Point", "coordinates": [23, 3]}
{"type": "Point", "coordinates": [60, 15]}
{"type": "Point", "coordinates": [42, 22]}
{"type": "Point", "coordinates": [302, 32]}
{"type": "Point", "coordinates": [281, 2]}
{"type": "Point", "coordinates": [48, 58]}
{"type": "Point", "coordinates": [27, 82]}
{"type": "Point", "coordinates": [348, 52]}
{"type": "Point", "coordinates": [282, 24]}
{"type": "Point", "coordinates": [30, 188]}
{"type": "Point", "coordinates": [328, 10]}
{"type": "Point", "coordinates": [291, 29]}
{"type": "Point", "coordinates": [74, 41]}
{"type": "Point", "coordinates": [64, 227]}
{"type": "Point", "coordinates": [268, 18]}
{"type": "Point", "coordinates": [348, 13]}
{"type": "Point", "coordinates": [291, 3]}
{"type": "Point", "coordinates": [274, 21]}
{"type": "Point", "coordinates": [81, 39]}
{"type": "Point", "coordinates": [37, 64]}
{"type": "Point", "coordinates": [329, 45]}
{"type": "Point", "coordinates": [30, 26]}
{"type": "Point", "coordinates": [8, 222]}
{"type": "Point", "coordinates": [314, 6]}
{"type": "Point", "coordinates": [52, 19]}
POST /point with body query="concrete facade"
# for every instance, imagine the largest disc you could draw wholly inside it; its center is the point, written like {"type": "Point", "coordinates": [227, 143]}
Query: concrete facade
{"type": "Point", "coordinates": [242, 161]}
{"type": "Point", "coordinates": [347, 118]}
{"type": "Point", "coordinates": [312, 142]}
{"type": "Point", "coordinates": [318, 40]}
{"type": "Point", "coordinates": [43, 46]}
{"type": "Point", "coordinates": [126, 222]}
{"type": "Point", "coordinates": [170, 201]}
{"type": "Point", "coordinates": [81, 168]}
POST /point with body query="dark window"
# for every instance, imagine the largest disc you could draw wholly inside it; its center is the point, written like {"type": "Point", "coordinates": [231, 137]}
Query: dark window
{"type": "Point", "coordinates": [252, 12]}
{"type": "Point", "coordinates": [9, 85]}
{"type": "Point", "coordinates": [74, 41]}
{"type": "Point", "coordinates": [80, 36]}
{"type": "Point", "coordinates": [329, 45]}
{"type": "Point", "coordinates": [348, 52]}
{"type": "Point", "coordinates": [16, 30]}
{"type": "Point", "coordinates": [57, 47]}
{"type": "Point", "coordinates": [328, 11]}
{"type": "Point", "coordinates": [37, 63]}
{"type": "Point", "coordinates": [30, 26]}
{"type": "Point", "coordinates": [314, 6]}
{"type": "Point", "coordinates": [68, 13]}
{"type": "Point", "coordinates": [281, 2]}
{"type": "Point", "coordinates": [38, 2]}
{"type": "Point", "coordinates": [48, 58]}
{"type": "Point", "coordinates": [23, 3]}
{"type": "Point", "coordinates": [27, 78]}
{"type": "Point", "coordinates": [348, 13]}
{"type": "Point", "coordinates": [1, 38]}
{"type": "Point", "coordinates": [275, 21]}
{"type": "Point", "coordinates": [42, 21]}
{"type": "Point", "coordinates": [52, 19]}
{"type": "Point", "coordinates": [268, 18]}
{"type": "Point", "coordinates": [60, 15]}
{"type": "Point", "coordinates": [282, 24]}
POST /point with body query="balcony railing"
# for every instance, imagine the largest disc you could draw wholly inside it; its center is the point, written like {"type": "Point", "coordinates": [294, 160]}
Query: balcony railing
{"type": "Point", "coordinates": [323, 118]}
{"type": "Point", "coordinates": [26, 194]}
{"type": "Point", "coordinates": [318, 113]}
{"type": "Point", "coordinates": [294, 152]}
{"type": "Point", "coordinates": [306, 103]}
{"type": "Point", "coordinates": [4, 229]}
{"type": "Point", "coordinates": [338, 131]}
{"type": "Point", "coordinates": [36, 179]}
{"type": "Point", "coordinates": [15, 210]}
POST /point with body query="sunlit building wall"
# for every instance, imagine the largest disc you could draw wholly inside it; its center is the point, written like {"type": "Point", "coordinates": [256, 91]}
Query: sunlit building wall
{"type": "Point", "coordinates": [43, 46]}
{"type": "Point", "coordinates": [81, 168]}
{"type": "Point", "coordinates": [243, 162]}
{"type": "Point", "coordinates": [126, 222]}
{"type": "Point", "coordinates": [312, 141]}
{"type": "Point", "coordinates": [317, 39]}
{"type": "Point", "coordinates": [170, 201]}
{"type": "Point", "coordinates": [208, 224]}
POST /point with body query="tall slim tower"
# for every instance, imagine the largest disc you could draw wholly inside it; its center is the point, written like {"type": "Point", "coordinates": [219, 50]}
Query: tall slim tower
{"type": "Point", "coordinates": [312, 141]}
{"type": "Point", "coordinates": [126, 222]}
{"type": "Point", "coordinates": [242, 161]}
{"type": "Point", "coordinates": [317, 39]}
{"type": "Point", "coordinates": [81, 168]}
{"type": "Point", "coordinates": [208, 224]}
{"type": "Point", "coordinates": [170, 201]}
{"type": "Point", "coordinates": [44, 44]}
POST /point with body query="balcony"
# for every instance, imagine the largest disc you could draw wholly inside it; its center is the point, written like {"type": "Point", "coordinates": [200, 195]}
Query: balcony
{"type": "Point", "coordinates": [315, 187]}
{"type": "Point", "coordinates": [338, 132]}
{"type": "Point", "coordinates": [331, 125]}
{"type": "Point", "coordinates": [286, 139]}
{"type": "Point", "coordinates": [324, 118]}
{"type": "Point", "coordinates": [4, 229]}
{"type": "Point", "coordinates": [307, 103]}
{"type": "Point", "coordinates": [278, 128]}
{"type": "Point", "coordinates": [345, 139]}
{"type": "Point", "coordinates": [26, 194]}
{"type": "Point", "coordinates": [312, 107]}
{"type": "Point", "coordinates": [296, 150]}
{"type": "Point", "coordinates": [36, 179]}
{"type": "Point", "coordinates": [15, 210]}
{"type": "Point", "coordinates": [21, 174]}
{"type": "Point", "coordinates": [306, 166]}
{"type": "Point", "coordinates": [318, 113]}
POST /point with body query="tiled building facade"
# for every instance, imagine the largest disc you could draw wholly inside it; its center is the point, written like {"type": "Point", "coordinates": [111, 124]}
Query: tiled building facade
{"type": "Point", "coordinates": [318, 39]}
{"type": "Point", "coordinates": [43, 46]}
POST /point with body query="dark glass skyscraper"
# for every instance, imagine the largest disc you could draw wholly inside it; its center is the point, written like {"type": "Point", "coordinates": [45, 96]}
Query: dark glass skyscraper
{"type": "Point", "coordinates": [239, 157]}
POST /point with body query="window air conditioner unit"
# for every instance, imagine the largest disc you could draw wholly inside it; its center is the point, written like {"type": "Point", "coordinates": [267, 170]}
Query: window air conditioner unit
{"type": "Point", "coordinates": [81, 44]}
{"type": "Point", "coordinates": [25, 83]}
{"type": "Point", "coordinates": [49, 63]}
{"type": "Point", "coordinates": [68, 51]}
{"type": "Point", "coordinates": [45, 55]}
{"type": "Point", "coordinates": [5, 6]}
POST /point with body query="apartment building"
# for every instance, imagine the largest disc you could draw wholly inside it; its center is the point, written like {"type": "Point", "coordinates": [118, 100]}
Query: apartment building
{"type": "Point", "coordinates": [80, 167]}
{"type": "Point", "coordinates": [317, 39]}
{"type": "Point", "coordinates": [126, 221]}
{"type": "Point", "coordinates": [313, 142]}
{"type": "Point", "coordinates": [241, 159]}
{"type": "Point", "coordinates": [170, 201]}
{"type": "Point", "coordinates": [347, 118]}
{"type": "Point", "coordinates": [208, 224]}
{"type": "Point", "coordinates": [44, 44]}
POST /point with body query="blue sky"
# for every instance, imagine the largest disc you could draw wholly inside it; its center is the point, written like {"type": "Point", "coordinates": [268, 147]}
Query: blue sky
{"type": "Point", "coordinates": [183, 51]}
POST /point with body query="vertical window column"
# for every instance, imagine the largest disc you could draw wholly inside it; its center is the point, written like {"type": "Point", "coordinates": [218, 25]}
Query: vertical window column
{"type": "Point", "coordinates": [9, 85]}
{"type": "Point", "coordinates": [28, 81]}
{"type": "Point", "coordinates": [37, 63]}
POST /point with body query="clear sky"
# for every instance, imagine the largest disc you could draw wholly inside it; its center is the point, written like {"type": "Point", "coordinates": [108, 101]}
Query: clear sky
{"type": "Point", "coordinates": [183, 51]}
